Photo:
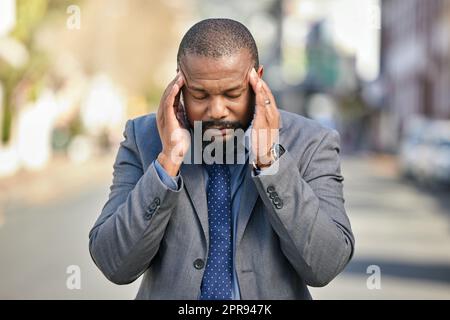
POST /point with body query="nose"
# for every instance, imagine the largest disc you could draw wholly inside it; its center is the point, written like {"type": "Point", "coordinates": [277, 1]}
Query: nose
{"type": "Point", "coordinates": [217, 109]}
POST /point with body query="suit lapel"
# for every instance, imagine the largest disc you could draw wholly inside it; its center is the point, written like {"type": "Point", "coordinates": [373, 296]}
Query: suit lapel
{"type": "Point", "coordinates": [194, 183]}
{"type": "Point", "coordinates": [248, 200]}
{"type": "Point", "coordinates": [195, 186]}
{"type": "Point", "coordinates": [250, 195]}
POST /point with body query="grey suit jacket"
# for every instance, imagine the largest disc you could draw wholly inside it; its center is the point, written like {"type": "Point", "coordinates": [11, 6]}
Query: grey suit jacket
{"type": "Point", "coordinates": [148, 228]}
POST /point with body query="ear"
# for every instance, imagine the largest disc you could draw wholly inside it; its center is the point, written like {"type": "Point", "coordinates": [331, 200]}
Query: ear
{"type": "Point", "coordinates": [260, 71]}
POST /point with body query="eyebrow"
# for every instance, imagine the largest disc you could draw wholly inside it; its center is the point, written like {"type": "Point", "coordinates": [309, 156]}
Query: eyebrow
{"type": "Point", "coordinates": [200, 89]}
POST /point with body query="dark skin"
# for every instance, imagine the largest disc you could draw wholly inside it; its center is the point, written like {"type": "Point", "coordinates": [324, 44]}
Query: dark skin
{"type": "Point", "coordinates": [217, 91]}
{"type": "Point", "coordinates": [222, 93]}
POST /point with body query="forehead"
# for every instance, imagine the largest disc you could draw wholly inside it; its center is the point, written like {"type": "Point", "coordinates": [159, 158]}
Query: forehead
{"type": "Point", "coordinates": [209, 73]}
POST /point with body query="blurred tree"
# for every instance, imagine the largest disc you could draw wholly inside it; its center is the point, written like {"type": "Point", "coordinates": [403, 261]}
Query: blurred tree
{"type": "Point", "coordinates": [29, 15]}
{"type": "Point", "coordinates": [134, 42]}
{"type": "Point", "coordinates": [26, 81]}
{"type": "Point", "coordinates": [322, 60]}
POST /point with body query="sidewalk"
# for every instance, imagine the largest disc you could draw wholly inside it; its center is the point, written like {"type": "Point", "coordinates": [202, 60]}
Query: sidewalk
{"type": "Point", "coordinates": [399, 228]}
{"type": "Point", "coordinates": [60, 179]}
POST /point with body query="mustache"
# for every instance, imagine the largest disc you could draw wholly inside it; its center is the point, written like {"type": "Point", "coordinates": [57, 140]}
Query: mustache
{"type": "Point", "coordinates": [218, 124]}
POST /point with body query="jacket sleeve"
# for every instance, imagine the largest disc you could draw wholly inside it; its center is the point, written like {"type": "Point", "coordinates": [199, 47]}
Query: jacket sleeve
{"type": "Point", "coordinates": [128, 232]}
{"type": "Point", "coordinates": [307, 212]}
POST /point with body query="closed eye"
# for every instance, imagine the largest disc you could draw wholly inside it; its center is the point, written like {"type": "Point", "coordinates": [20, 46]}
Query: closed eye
{"type": "Point", "coordinates": [200, 97]}
{"type": "Point", "coordinates": [233, 93]}
{"type": "Point", "coordinates": [233, 96]}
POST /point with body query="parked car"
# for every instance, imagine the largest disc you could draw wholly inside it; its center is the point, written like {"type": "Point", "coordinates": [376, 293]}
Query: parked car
{"type": "Point", "coordinates": [425, 151]}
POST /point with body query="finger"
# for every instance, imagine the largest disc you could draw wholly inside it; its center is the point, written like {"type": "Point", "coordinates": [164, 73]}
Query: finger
{"type": "Point", "coordinates": [260, 96]}
{"type": "Point", "coordinates": [179, 83]}
{"type": "Point", "coordinates": [167, 96]}
{"type": "Point", "coordinates": [174, 93]}
{"type": "Point", "coordinates": [256, 84]}
{"type": "Point", "coordinates": [269, 100]}
{"type": "Point", "coordinates": [167, 106]}
{"type": "Point", "coordinates": [176, 104]}
{"type": "Point", "coordinates": [179, 80]}
{"type": "Point", "coordinates": [272, 109]}
{"type": "Point", "coordinates": [170, 86]}
{"type": "Point", "coordinates": [269, 95]}
{"type": "Point", "coordinates": [253, 78]}
{"type": "Point", "coordinates": [262, 101]}
{"type": "Point", "coordinates": [181, 116]}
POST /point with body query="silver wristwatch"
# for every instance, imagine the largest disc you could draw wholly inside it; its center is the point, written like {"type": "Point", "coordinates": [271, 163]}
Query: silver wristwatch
{"type": "Point", "coordinates": [276, 151]}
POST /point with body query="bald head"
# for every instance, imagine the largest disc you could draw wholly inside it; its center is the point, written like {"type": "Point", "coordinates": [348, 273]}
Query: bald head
{"type": "Point", "coordinates": [215, 38]}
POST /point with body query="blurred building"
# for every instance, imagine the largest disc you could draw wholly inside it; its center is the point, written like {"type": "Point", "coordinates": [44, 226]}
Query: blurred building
{"type": "Point", "coordinates": [72, 99]}
{"type": "Point", "coordinates": [415, 64]}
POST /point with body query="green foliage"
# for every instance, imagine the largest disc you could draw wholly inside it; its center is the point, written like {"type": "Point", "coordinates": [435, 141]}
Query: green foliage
{"type": "Point", "coordinates": [33, 73]}
{"type": "Point", "coordinates": [29, 15]}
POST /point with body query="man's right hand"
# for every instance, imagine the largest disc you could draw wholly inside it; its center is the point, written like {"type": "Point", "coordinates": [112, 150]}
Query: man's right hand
{"type": "Point", "coordinates": [175, 137]}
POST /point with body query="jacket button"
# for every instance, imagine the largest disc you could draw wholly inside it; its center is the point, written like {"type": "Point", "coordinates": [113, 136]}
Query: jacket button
{"type": "Point", "coordinates": [199, 264]}
{"type": "Point", "coordinates": [273, 195]}
{"type": "Point", "coordinates": [154, 205]}
{"type": "Point", "coordinates": [148, 215]}
{"type": "Point", "coordinates": [278, 203]}
{"type": "Point", "coordinates": [270, 189]}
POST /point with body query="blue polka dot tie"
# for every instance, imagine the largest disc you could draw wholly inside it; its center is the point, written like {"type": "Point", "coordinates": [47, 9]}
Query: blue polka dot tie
{"type": "Point", "coordinates": [216, 283]}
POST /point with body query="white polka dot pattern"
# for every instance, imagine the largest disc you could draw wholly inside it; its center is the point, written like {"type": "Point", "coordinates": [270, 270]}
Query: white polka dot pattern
{"type": "Point", "coordinates": [216, 284]}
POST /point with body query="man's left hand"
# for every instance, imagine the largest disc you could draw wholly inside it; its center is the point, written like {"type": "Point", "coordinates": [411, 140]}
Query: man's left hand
{"type": "Point", "coordinates": [266, 121]}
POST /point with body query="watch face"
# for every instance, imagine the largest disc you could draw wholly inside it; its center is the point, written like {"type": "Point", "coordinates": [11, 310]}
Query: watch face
{"type": "Point", "coordinates": [277, 150]}
{"type": "Point", "coordinates": [281, 150]}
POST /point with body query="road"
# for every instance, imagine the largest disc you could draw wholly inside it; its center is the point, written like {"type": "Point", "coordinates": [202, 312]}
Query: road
{"type": "Point", "coordinates": [401, 231]}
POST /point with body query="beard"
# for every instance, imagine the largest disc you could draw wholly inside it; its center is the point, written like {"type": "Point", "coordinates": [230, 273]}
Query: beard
{"type": "Point", "coordinates": [228, 145]}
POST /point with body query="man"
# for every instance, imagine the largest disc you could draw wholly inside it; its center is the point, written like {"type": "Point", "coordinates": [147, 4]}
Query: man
{"type": "Point", "coordinates": [264, 227]}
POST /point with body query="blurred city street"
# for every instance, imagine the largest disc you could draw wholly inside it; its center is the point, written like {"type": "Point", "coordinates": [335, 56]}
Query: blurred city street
{"type": "Point", "coordinates": [401, 229]}
{"type": "Point", "coordinates": [45, 220]}
{"type": "Point", "coordinates": [376, 71]}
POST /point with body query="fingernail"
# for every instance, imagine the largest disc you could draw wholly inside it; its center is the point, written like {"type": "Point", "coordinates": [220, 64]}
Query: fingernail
{"type": "Point", "coordinates": [254, 72]}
